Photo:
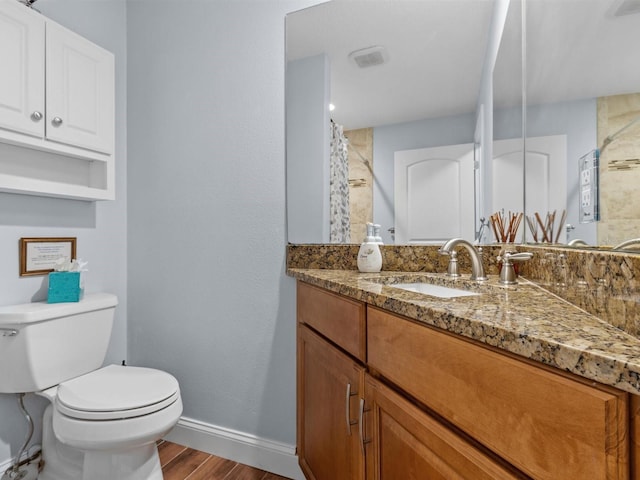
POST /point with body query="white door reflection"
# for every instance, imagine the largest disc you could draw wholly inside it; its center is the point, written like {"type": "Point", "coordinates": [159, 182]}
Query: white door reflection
{"type": "Point", "coordinates": [434, 194]}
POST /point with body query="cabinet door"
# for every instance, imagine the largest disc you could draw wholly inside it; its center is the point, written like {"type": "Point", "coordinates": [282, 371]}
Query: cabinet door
{"type": "Point", "coordinates": [330, 385]}
{"type": "Point", "coordinates": [22, 64]}
{"type": "Point", "coordinates": [80, 91]}
{"type": "Point", "coordinates": [548, 425]}
{"type": "Point", "coordinates": [409, 444]}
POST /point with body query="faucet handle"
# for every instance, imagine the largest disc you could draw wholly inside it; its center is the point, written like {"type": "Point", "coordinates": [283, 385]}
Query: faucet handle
{"type": "Point", "coordinates": [518, 257]}
{"type": "Point", "coordinates": [452, 269]}
{"type": "Point", "coordinates": [508, 274]}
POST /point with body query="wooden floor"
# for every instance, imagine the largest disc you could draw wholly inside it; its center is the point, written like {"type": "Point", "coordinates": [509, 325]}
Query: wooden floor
{"type": "Point", "coordinates": [182, 463]}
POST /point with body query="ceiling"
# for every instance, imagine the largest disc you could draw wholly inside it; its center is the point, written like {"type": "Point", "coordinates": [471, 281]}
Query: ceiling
{"type": "Point", "coordinates": [427, 42]}
{"type": "Point", "coordinates": [575, 49]}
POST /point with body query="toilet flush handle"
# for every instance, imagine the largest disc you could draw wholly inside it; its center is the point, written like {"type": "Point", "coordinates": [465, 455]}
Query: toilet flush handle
{"type": "Point", "coordinates": [8, 332]}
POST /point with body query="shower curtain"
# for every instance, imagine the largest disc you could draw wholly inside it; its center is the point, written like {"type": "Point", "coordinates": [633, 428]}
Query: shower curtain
{"type": "Point", "coordinates": [339, 221]}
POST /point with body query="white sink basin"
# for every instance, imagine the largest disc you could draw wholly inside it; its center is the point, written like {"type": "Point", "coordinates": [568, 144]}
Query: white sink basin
{"type": "Point", "coordinates": [433, 290]}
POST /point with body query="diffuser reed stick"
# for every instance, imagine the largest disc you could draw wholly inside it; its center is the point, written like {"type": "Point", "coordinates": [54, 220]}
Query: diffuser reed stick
{"type": "Point", "coordinates": [505, 228]}
{"type": "Point", "coordinates": [550, 232]}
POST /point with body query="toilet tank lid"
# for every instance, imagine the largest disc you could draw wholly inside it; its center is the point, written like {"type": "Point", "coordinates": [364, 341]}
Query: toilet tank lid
{"type": "Point", "coordinates": [15, 315]}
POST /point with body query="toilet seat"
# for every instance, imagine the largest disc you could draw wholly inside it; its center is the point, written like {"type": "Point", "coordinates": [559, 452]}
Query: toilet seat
{"type": "Point", "coordinates": [116, 392]}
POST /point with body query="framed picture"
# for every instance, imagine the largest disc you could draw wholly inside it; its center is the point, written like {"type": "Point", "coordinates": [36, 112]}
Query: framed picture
{"type": "Point", "coordinates": [38, 256]}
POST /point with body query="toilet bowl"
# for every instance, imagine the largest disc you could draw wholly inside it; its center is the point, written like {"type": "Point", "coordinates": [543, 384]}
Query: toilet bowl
{"type": "Point", "coordinates": [103, 422]}
{"type": "Point", "coordinates": [113, 417]}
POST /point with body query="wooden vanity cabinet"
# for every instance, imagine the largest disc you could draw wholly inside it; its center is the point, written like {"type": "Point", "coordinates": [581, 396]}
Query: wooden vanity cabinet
{"type": "Point", "coordinates": [330, 384]}
{"type": "Point", "coordinates": [438, 406]}
{"type": "Point", "coordinates": [339, 418]}
{"type": "Point", "coordinates": [634, 427]}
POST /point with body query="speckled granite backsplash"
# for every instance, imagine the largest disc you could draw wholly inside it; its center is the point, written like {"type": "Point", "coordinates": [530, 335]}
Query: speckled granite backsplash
{"type": "Point", "coordinates": [395, 258]}
{"type": "Point", "coordinates": [605, 284]}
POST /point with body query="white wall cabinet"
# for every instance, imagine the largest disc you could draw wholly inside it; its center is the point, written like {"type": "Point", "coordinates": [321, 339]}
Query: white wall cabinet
{"type": "Point", "coordinates": [56, 99]}
{"type": "Point", "coordinates": [22, 79]}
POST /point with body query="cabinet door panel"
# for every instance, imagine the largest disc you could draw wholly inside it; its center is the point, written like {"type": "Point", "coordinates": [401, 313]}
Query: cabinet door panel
{"type": "Point", "coordinates": [409, 444]}
{"type": "Point", "coordinates": [634, 422]}
{"type": "Point", "coordinates": [547, 425]}
{"type": "Point", "coordinates": [22, 63]}
{"type": "Point", "coordinates": [328, 446]}
{"type": "Point", "coordinates": [80, 91]}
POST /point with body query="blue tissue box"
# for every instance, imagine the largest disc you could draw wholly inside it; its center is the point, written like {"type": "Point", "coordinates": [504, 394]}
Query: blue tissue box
{"type": "Point", "coordinates": [64, 287]}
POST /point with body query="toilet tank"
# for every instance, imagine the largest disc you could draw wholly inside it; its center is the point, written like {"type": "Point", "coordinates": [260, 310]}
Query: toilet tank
{"type": "Point", "coordinates": [44, 344]}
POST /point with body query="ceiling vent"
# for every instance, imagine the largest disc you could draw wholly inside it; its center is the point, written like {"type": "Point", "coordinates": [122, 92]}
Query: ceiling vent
{"type": "Point", "coordinates": [369, 57]}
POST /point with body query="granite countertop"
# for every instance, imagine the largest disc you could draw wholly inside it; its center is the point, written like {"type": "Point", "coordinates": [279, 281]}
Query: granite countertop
{"type": "Point", "coordinates": [523, 319]}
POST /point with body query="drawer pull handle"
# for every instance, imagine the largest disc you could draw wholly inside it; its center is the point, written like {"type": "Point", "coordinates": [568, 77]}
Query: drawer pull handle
{"type": "Point", "coordinates": [348, 408]}
{"type": "Point", "coordinates": [363, 441]}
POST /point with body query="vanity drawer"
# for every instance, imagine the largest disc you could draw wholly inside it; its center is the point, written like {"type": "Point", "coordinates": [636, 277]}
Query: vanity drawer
{"type": "Point", "coordinates": [547, 424]}
{"type": "Point", "coordinates": [340, 319]}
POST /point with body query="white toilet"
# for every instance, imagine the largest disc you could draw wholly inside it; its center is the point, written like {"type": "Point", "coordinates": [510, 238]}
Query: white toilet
{"type": "Point", "coordinates": [103, 423]}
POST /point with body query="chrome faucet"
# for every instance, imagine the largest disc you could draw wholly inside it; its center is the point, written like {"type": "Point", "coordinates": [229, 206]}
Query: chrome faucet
{"type": "Point", "coordinates": [577, 242]}
{"type": "Point", "coordinates": [477, 270]}
{"type": "Point", "coordinates": [628, 243]}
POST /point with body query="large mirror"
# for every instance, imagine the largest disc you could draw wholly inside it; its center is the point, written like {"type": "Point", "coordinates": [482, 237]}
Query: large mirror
{"type": "Point", "coordinates": [402, 75]}
{"type": "Point", "coordinates": [583, 79]}
{"type": "Point", "coordinates": [581, 75]}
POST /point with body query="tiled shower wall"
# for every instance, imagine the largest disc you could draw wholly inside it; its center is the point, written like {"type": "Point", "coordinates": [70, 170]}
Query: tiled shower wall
{"type": "Point", "coordinates": [619, 169]}
{"type": "Point", "coordinates": [360, 181]}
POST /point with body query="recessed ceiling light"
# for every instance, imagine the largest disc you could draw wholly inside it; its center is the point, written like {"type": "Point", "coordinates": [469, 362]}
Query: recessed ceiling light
{"type": "Point", "coordinates": [369, 57]}
{"type": "Point", "coordinates": [332, 107]}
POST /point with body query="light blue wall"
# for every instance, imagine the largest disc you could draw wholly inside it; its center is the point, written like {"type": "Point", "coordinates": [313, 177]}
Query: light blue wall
{"type": "Point", "coordinates": [209, 299]}
{"type": "Point", "coordinates": [99, 227]}
{"type": "Point", "coordinates": [308, 143]}
{"type": "Point", "coordinates": [206, 185]}
{"type": "Point", "coordinates": [578, 121]}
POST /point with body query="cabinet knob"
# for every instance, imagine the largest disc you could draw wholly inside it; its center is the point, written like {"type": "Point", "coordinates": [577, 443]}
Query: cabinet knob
{"type": "Point", "coordinates": [56, 122]}
{"type": "Point", "coordinates": [36, 116]}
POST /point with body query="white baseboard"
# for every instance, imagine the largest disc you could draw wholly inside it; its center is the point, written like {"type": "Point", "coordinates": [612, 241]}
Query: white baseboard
{"type": "Point", "coordinates": [274, 457]}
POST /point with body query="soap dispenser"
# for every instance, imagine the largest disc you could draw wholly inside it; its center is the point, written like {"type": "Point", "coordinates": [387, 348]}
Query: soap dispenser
{"type": "Point", "coordinates": [369, 255]}
{"type": "Point", "coordinates": [376, 234]}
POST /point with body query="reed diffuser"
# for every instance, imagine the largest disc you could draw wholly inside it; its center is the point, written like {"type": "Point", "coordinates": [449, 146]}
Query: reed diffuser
{"type": "Point", "coordinates": [546, 231]}
{"type": "Point", "coordinates": [505, 228]}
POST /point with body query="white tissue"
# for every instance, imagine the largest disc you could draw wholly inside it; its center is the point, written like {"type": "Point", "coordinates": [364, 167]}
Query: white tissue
{"type": "Point", "coordinates": [63, 265]}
